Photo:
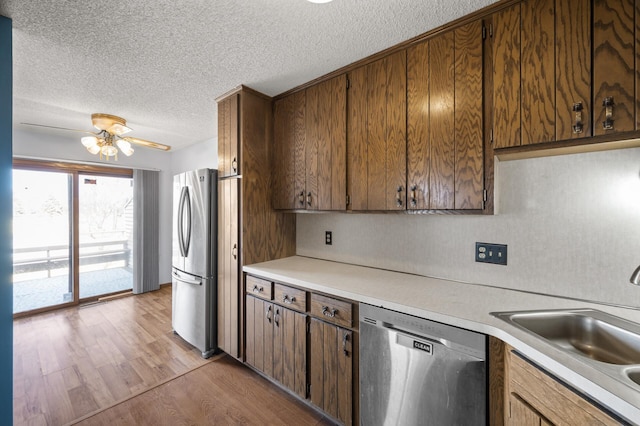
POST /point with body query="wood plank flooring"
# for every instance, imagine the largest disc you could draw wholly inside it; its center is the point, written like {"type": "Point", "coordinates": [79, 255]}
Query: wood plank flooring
{"type": "Point", "coordinates": [77, 361]}
{"type": "Point", "coordinates": [223, 392]}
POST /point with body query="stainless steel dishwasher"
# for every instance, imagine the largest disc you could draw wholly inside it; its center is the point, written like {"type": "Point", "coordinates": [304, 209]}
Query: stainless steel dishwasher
{"type": "Point", "coordinates": [414, 371]}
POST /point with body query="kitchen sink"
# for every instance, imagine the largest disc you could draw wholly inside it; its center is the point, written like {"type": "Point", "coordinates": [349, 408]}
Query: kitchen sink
{"type": "Point", "coordinates": [587, 332]}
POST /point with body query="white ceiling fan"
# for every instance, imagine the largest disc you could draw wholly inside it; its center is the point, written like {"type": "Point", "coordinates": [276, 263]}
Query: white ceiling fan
{"type": "Point", "coordinates": [109, 137]}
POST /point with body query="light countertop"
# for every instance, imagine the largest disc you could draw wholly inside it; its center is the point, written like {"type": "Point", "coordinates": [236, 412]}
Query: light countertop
{"type": "Point", "coordinates": [467, 306]}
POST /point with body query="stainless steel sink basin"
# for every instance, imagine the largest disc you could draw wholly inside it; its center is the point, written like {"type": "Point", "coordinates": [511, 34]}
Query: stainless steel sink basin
{"type": "Point", "coordinates": [587, 332]}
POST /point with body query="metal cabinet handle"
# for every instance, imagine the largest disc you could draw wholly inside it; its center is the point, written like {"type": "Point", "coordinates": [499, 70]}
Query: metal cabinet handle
{"type": "Point", "coordinates": [578, 127]}
{"type": "Point", "coordinates": [345, 339]}
{"type": "Point", "coordinates": [329, 313]}
{"type": "Point", "coordinates": [257, 289]}
{"type": "Point", "coordinates": [276, 318]}
{"type": "Point", "coordinates": [414, 200]}
{"type": "Point", "coordinates": [288, 300]}
{"type": "Point", "coordinates": [234, 251]}
{"type": "Point", "coordinates": [309, 198]}
{"type": "Point", "coordinates": [399, 198]}
{"type": "Point", "coordinates": [269, 314]}
{"type": "Point", "coordinates": [301, 198]}
{"type": "Point", "coordinates": [608, 103]}
{"type": "Point", "coordinates": [234, 165]}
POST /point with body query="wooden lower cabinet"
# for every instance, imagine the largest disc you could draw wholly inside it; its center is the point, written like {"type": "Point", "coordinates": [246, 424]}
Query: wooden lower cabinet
{"type": "Point", "coordinates": [332, 364]}
{"type": "Point", "coordinates": [276, 343]}
{"type": "Point", "coordinates": [528, 395]}
{"type": "Point", "coordinates": [307, 342]}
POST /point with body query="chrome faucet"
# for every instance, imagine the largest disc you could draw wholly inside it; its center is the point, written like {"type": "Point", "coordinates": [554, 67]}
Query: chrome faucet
{"type": "Point", "coordinates": [635, 277]}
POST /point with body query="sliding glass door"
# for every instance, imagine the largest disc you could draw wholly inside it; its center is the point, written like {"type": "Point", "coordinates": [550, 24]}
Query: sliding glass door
{"type": "Point", "coordinates": [106, 234]}
{"type": "Point", "coordinates": [42, 239]}
{"type": "Point", "coordinates": [73, 234]}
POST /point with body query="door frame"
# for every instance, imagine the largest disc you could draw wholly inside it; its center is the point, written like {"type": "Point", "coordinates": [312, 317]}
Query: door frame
{"type": "Point", "coordinates": [73, 169]}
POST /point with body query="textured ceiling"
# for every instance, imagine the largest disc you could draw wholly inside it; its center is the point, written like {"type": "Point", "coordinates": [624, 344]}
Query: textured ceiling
{"type": "Point", "coordinates": [161, 64]}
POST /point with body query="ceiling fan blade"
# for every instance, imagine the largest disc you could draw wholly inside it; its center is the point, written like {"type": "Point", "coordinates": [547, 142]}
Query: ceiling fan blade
{"type": "Point", "coordinates": [61, 128]}
{"type": "Point", "coordinates": [146, 143]}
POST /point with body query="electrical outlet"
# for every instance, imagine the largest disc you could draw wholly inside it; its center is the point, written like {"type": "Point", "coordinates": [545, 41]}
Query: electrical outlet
{"type": "Point", "coordinates": [491, 253]}
{"type": "Point", "coordinates": [327, 237]}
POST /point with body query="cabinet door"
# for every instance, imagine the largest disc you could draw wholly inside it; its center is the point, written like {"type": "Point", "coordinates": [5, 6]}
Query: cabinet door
{"type": "Point", "coordinates": [469, 118]}
{"type": "Point", "coordinates": [445, 155]}
{"type": "Point", "coordinates": [418, 146]}
{"type": "Point", "coordinates": [377, 126]}
{"type": "Point", "coordinates": [614, 65]}
{"type": "Point", "coordinates": [573, 69]}
{"type": "Point", "coordinates": [506, 77]}
{"type": "Point", "coordinates": [331, 367]}
{"type": "Point", "coordinates": [538, 83]}
{"type": "Point", "coordinates": [290, 349]}
{"type": "Point", "coordinates": [228, 266]}
{"type": "Point", "coordinates": [289, 152]}
{"type": "Point", "coordinates": [442, 124]}
{"type": "Point", "coordinates": [259, 347]}
{"type": "Point", "coordinates": [228, 136]}
{"type": "Point", "coordinates": [326, 145]}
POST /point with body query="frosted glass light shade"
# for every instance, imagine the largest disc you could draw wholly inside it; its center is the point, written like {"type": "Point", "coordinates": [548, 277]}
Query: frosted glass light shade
{"type": "Point", "coordinates": [125, 147]}
{"type": "Point", "coordinates": [91, 143]}
{"type": "Point", "coordinates": [109, 150]}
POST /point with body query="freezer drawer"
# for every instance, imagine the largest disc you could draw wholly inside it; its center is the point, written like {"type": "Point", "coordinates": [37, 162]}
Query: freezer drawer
{"type": "Point", "coordinates": [193, 311]}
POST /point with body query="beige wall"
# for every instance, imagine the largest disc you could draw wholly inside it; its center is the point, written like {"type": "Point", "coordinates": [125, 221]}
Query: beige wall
{"type": "Point", "coordinates": [571, 223]}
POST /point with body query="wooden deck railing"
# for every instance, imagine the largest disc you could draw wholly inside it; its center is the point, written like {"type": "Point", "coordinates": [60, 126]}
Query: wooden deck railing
{"type": "Point", "coordinates": [112, 251]}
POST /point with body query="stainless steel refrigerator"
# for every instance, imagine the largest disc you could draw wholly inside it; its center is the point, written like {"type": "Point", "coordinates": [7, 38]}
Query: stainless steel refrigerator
{"type": "Point", "coordinates": [194, 260]}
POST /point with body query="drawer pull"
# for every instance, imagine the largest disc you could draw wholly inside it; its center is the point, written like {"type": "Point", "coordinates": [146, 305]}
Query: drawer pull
{"type": "Point", "coordinates": [269, 314]}
{"type": "Point", "coordinates": [257, 289]}
{"type": "Point", "coordinates": [276, 318]}
{"type": "Point", "coordinates": [287, 299]}
{"type": "Point", "coordinates": [234, 165]}
{"type": "Point", "coordinates": [301, 198]}
{"type": "Point", "coordinates": [329, 313]}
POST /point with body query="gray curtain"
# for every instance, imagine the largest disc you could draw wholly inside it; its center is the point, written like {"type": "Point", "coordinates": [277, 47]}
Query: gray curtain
{"type": "Point", "coordinates": [146, 206]}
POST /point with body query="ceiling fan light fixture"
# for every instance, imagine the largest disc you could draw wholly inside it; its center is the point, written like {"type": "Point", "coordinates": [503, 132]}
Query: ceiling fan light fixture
{"type": "Point", "coordinates": [125, 147]}
{"type": "Point", "coordinates": [91, 143]}
{"type": "Point", "coordinates": [109, 150]}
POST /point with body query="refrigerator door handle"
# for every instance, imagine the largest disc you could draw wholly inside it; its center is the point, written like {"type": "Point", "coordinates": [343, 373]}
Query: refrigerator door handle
{"type": "Point", "coordinates": [186, 281]}
{"type": "Point", "coordinates": [187, 204]}
{"type": "Point", "coordinates": [185, 201]}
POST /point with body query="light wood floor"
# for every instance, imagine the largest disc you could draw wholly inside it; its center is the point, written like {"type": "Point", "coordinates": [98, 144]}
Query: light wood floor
{"type": "Point", "coordinates": [123, 354]}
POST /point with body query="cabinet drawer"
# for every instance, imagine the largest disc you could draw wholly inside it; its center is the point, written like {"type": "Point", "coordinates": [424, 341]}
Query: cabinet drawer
{"type": "Point", "coordinates": [292, 298]}
{"type": "Point", "coordinates": [332, 310]}
{"type": "Point", "coordinates": [259, 287]}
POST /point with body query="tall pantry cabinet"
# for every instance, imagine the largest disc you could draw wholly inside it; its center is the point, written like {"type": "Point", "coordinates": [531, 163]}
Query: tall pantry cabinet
{"type": "Point", "coordinates": [249, 230]}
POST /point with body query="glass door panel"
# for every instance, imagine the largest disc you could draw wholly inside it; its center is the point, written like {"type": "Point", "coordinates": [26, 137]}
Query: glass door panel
{"type": "Point", "coordinates": [106, 234]}
{"type": "Point", "coordinates": [42, 239]}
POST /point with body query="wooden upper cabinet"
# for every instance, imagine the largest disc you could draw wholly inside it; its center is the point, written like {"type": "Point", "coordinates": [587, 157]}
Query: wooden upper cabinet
{"type": "Point", "coordinates": [543, 72]}
{"type": "Point", "coordinates": [445, 155]}
{"type": "Point", "coordinates": [537, 66]}
{"type": "Point", "coordinates": [228, 138]}
{"type": "Point", "coordinates": [469, 118]}
{"type": "Point", "coordinates": [573, 69]}
{"type": "Point", "coordinates": [614, 66]}
{"type": "Point", "coordinates": [326, 145]}
{"type": "Point", "coordinates": [506, 77]}
{"type": "Point", "coordinates": [289, 152]}
{"type": "Point", "coordinates": [377, 135]}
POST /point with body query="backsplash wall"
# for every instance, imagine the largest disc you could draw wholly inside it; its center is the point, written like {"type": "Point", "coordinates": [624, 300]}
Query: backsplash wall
{"type": "Point", "coordinates": [571, 223]}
